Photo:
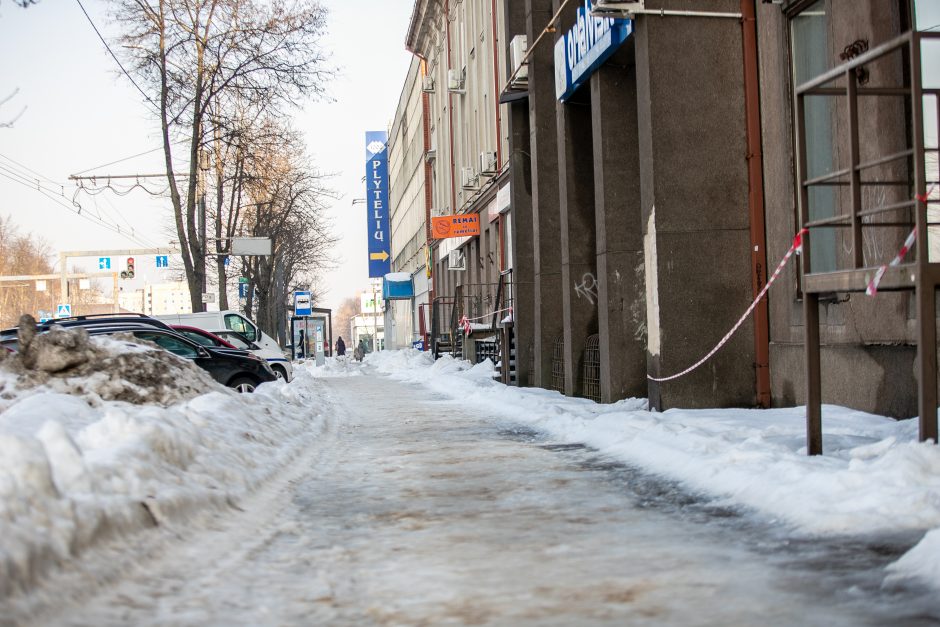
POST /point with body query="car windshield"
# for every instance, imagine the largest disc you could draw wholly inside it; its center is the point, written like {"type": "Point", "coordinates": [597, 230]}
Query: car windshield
{"type": "Point", "coordinates": [235, 339]}
{"type": "Point", "coordinates": [239, 324]}
{"type": "Point", "coordinates": [175, 345]}
{"type": "Point", "coordinates": [198, 338]}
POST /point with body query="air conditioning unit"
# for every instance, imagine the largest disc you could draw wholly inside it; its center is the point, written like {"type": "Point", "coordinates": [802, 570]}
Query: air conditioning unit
{"type": "Point", "coordinates": [427, 84]}
{"type": "Point", "coordinates": [488, 163]}
{"type": "Point", "coordinates": [455, 81]}
{"type": "Point", "coordinates": [467, 177]}
{"type": "Point", "coordinates": [517, 49]}
{"type": "Point", "coordinates": [616, 8]}
{"type": "Point", "coordinates": [456, 260]}
{"type": "Point", "coordinates": [430, 155]}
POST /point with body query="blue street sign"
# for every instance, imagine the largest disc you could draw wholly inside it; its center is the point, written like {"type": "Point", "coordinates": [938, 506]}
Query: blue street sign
{"type": "Point", "coordinates": [302, 304]}
{"type": "Point", "coordinates": [104, 263]}
{"type": "Point", "coordinates": [243, 290]}
{"type": "Point", "coordinates": [225, 261]}
{"type": "Point", "coordinates": [377, 203]}
{"type": "Point", "coordinates": [163, 261]}
{"type": "Point", "coordinates": [64, 310]}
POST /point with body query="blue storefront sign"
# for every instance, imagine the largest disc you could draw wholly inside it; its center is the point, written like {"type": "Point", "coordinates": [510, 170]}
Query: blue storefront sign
{"type": "Point", "coordinates": [377, 203]}
{"type": "Point", "coordinates": [584, 47]}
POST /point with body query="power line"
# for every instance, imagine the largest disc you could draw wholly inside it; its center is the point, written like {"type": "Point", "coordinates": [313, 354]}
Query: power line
{"type": "Point", "coordinates": [76, 210]}
{"type": "Point", "coordinates": [30, 170]}
{"type": "Point", "coordinates": [114, 56]}
{"type": "Point", "coordinates": [140, 154]}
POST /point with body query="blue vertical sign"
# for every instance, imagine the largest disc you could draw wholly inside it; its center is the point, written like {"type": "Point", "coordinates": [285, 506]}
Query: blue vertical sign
{"type": "Point", "coordinates": [585, 47]}
{"type": "Point", "coordinates": [377, 203]}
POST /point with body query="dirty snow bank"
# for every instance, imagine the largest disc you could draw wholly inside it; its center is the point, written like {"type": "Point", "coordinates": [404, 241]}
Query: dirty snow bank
{"type": "Point", "coordinates": [80, 464]}
{"type": "Point", "coordinates": [874, 477]}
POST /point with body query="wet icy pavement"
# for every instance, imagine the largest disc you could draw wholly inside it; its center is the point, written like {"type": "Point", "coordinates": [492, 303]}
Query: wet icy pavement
{"type": "Point", "coordinates": [412, 512]}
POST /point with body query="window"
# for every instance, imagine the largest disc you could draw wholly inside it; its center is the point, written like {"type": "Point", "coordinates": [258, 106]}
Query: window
{"type": "Point", "coordinates": [237, 323]}
{"type": "Point", "coordinates": [172, 344]}
{"type": "Point", "coordinates": [809, 49]}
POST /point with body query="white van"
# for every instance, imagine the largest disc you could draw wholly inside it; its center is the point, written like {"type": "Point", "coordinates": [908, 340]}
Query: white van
{"type": "Point", "coordinates": [268, 348]}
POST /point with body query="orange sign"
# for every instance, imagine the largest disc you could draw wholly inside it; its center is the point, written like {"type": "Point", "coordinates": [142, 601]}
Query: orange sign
{"type": "Point", "coordinates": [466, 225]}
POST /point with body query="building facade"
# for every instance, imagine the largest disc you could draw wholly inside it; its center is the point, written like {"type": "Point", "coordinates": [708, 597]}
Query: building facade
{"type": "Point", "coordinates": [652, 172]}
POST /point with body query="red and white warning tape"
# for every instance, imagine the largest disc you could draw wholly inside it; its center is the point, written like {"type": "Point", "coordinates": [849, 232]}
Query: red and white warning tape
{"type": "Point", "coordinates": [465, 321]}
{"type": "Point", "coordinates": [872, 288]}
{"type": "Point", "coordinates": [794, 247]}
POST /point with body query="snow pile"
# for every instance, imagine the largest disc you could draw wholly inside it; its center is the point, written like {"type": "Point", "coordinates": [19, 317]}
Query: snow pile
{"type": "Point", "coordinates": [874, 477]}
{"type": "Point", "coordinates": [120, 367]}
{"type": "Point", "coordinates": [80, 464]}
{"type": "Point", "coordinates": [344, 366]}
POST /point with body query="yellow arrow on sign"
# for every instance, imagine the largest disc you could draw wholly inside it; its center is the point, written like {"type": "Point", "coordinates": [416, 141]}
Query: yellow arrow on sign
{"type": "Point", "coordinates": [381, 256]}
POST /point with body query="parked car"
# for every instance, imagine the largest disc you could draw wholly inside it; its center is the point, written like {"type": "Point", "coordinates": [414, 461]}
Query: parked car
{"type": "Point", "coordinates": [203, 337]}
{"type": "Point", "coordinates": [231, 367]}
{"type": "Point", "coordinates": [220, 321]}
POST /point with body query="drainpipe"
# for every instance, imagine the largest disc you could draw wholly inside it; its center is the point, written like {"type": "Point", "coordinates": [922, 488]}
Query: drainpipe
{"type": "Point", "coordinates": [755, 179]}
{"type": "Point", "coordinates": [428, 196]}
{"type": "Point", "coordinates": [499, 149]}
{"type": "Point", "coordinates": [450, 117]}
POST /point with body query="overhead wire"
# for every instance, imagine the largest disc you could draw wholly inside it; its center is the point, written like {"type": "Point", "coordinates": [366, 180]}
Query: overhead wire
{"type": "Point", "coordinates": [114, 56]}
{"type": "Point", "coordinates": [77, 210]}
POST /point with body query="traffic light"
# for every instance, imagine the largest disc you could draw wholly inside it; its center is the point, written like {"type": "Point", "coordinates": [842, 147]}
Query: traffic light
{"type": "Point", "coordinates": [128, 273]}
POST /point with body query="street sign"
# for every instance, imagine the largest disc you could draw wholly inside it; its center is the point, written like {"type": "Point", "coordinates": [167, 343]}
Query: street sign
{"type": "Point", "coordinates": [84, 284]}
{"type": "Point", "coordinates": [163, 261]}
{"type": "Point", "coordinates": [226, 261]}
{"type": "Point", "coordinates": [208, 297]}
{"type": "Point", "coordinates": [64, 310]}
{"type": "Point", "coordinates": [242, 279]}
{"type": "Point", "coordinates": [302, 304]}
{"type": "Point", "coordinates": [40, 286]}
{"type": "Point", "coordinates": [242, 290]}
{"type": "Point", "coordinates": [104, 263]}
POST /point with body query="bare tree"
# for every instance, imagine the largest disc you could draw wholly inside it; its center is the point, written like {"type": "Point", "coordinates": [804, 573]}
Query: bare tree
{"type": "Point", "coordinates": [215, 59]}
{"type": "Point", "coordinates": [287, 206]}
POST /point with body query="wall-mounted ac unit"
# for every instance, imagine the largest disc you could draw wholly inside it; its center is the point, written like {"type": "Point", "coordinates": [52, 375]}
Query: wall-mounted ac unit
{"type": "Point", "coordinates": [467, 177]}
{"type": "Point", "coordinates": [455, 81]}
{"type": "Point", "coordinates": [456, 260]}
{"type": "Point", "coordinates": [430, 155]}
{"type": "Point", "coordinates": [488, 163]}
{"type": "Point", "coordinates": [517, 50]}
{"type": "Point", "coordinates": [616, 8]}
{"type": "Point", "coordinates": [427, 84]}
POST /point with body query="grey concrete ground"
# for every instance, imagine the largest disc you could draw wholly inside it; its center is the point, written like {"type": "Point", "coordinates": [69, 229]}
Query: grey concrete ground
{"type": "Point", "coordinates": [411, 511]}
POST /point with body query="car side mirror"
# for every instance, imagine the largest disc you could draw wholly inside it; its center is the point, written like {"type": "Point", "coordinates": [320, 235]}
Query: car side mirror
{"type": "Point", "coordinates": [202, 352]}
{"type": "Point", "coordinates": [254, 347]}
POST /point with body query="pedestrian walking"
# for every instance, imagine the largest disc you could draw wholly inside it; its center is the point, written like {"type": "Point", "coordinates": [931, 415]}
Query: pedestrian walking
{"type": "Point", "coordinates": [340, 347]}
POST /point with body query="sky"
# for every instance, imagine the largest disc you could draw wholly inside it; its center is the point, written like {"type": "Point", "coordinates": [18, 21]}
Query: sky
{"type": "Point", "coordinates": [81, 113]}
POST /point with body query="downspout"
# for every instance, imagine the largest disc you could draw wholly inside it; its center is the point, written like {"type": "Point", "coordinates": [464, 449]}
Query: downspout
{"type": "Point", "coordinates": [499, 148]}
{"type": "Point", "coordinates": [755, 179]}
{"type": "Point", "coordinates": [499, 127]}
{"type": "Point", "coordinates": [428, 196]}
{"type": "Point", "coordinates": [450, 117]}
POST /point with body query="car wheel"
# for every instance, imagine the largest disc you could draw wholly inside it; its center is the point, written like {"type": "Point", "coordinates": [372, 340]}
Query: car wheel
{"type": "Point", "coordinates": [242, 385]}
{"type": "Point", "coordinates": [279, 372]}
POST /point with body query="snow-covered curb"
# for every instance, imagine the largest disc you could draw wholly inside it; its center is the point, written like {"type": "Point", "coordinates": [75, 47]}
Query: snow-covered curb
{"type": "Point", "coordinates": [875, 476]}
{"type": "Point", "coordinates": [75, 471]}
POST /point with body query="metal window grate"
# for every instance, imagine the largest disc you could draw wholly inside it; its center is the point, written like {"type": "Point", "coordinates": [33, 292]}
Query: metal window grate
{"type": "Point", "coordinates": [486, 349]}
{"type": "Point", "coordinates": [592, 369]}
{"type": "Point", "coordinates": [558, 364]}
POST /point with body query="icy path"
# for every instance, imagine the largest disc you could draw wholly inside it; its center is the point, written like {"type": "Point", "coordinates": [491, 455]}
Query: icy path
{"type": "Point", "coordinates": [410, 512]}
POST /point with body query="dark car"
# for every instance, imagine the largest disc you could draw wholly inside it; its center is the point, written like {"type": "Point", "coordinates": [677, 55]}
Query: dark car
{"type": "Point", "coordinates": [234, 368]}
{"type": "Point", "coordinates": [9, 338]}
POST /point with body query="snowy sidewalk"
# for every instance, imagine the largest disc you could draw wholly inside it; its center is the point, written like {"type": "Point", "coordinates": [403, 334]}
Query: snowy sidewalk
{"type": "Point", "coordinates": [415, 511]}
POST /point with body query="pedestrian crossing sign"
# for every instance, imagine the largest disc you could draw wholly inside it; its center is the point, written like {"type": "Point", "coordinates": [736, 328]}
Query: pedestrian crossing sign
{"type": "Point", "coordinates": [64, 310]}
